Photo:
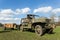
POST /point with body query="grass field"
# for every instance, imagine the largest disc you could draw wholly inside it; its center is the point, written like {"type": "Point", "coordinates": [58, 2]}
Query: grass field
{"type": "Point", "coordinates": [17, 35]}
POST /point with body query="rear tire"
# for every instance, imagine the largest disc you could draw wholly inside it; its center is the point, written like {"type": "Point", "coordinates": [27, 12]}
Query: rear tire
{"type": "Point", "coordinates": [50, 31]}
{"type": "Point", "coordinates": [38, 30]}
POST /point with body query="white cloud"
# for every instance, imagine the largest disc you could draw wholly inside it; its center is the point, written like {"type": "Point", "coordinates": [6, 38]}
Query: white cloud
{"type": "Point", "coordinates": [10, 20]}
{"type": "Point", "coordinates": [24, 10]}
{"type": "Point", "coordinates": [18, 11]}
{"type": "Point", "coordinates": [43, 9]}
{"type": "Point", "coordinates": [57, 10]}
{"type": "Point", "coordinates": [7, 11]}
{"type": "Point", "coordinates": [10, 12]}
{"type": "Point", "coordinates": [17, 22]}
{"type": "Point", "coordinates": [9, 15]}
{"type": "Point", "coordinates": [3, 18]}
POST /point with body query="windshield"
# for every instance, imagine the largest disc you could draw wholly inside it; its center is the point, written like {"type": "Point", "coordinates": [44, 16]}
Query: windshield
{"type": "Point", "coordinates": [37, 16]}
{"type": "Point", "coordinates": [32, 16]}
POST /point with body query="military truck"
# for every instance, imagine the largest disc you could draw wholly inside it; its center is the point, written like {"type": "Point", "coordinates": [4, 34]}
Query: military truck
{"type": "Point", "coordinates": [38, 24]}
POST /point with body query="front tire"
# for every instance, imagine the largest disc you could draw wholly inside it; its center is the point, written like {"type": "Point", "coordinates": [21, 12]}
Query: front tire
{"type": "Point", "coordinates": [21, 28]}
{"type": "Point", "coordinates": [38, 30]}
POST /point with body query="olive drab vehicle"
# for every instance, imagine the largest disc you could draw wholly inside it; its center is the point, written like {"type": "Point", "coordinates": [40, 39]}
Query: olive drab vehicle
{"type": "Point", "coordinates": [36, 23]}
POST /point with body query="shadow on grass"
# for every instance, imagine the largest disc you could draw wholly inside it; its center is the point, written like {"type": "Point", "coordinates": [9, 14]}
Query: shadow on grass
{"type": "Point", "coordinates": [49, 32]}
{"type": "Point", "coordinates": [29, 30]}
{"type": "Point", "coordinates": [46, 32]}
{"type": "Point", "coordinates": [4, 31]}
{"type": "Point", "coordinates": [52, 33]}
{"type": "Point", "coordinates": [32, 31]}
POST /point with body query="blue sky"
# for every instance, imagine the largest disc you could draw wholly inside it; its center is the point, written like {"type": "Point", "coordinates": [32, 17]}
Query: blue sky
{"type": "Point", "coordinates": [28, 3]}
{"type": "Point", "coordinates": [14, 10]}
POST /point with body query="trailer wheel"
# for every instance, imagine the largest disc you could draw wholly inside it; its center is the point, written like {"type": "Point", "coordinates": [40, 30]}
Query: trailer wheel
{"type": "Point", "coordinates": [4, 28]}
{"type": "Point", "coordinates": [38, 30]}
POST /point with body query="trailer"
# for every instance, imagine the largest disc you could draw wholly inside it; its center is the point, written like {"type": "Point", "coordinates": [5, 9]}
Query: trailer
{"type": "Point", "coordinates": [9, 26]}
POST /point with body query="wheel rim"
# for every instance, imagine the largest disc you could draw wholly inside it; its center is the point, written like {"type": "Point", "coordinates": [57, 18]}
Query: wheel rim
{"type": "Point", "coordinates": [38, 30]}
